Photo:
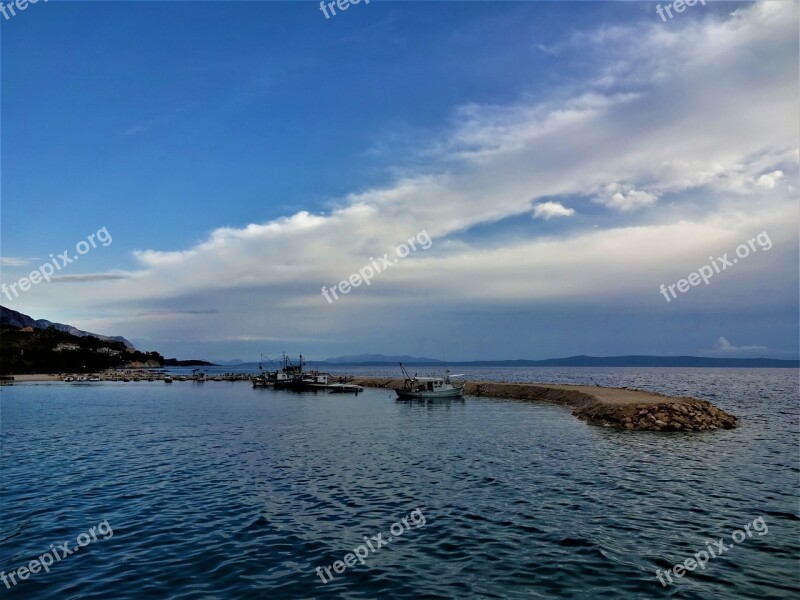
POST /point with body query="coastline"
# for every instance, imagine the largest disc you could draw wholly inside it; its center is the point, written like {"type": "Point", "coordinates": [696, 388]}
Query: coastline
{"type": "Point", "coordinates": [621, 408]}
{"type": "Point", "coordinates": [32, 377]}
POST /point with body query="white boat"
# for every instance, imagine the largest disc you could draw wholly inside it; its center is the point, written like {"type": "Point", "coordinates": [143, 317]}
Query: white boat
{"type": "Point", "coordinates": [428, 388]}
{"type": "Point", "coordinates": [345, 388]}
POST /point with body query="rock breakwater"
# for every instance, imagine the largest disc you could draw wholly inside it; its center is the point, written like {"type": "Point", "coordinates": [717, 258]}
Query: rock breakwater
{"type": "Point", "coordinates": [622, 408]}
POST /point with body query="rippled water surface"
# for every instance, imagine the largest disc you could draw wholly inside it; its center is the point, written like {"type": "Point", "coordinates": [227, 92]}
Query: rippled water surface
{"type": "Point", "coordinates": [218, 490]}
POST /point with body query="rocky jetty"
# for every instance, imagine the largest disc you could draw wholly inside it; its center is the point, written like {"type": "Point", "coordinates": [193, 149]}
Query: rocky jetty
{"type": "Point", "coordinates": [688, 414]}
{"type": "Point", "coordinates": [622, 408]}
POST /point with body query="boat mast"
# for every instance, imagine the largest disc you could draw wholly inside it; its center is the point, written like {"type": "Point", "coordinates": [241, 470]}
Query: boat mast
{"type": "Point", "coordinates": [406, 374]}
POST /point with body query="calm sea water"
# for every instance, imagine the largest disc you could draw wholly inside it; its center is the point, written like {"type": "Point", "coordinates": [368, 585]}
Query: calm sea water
{"type": "Point", "coordinates": [218, 490]}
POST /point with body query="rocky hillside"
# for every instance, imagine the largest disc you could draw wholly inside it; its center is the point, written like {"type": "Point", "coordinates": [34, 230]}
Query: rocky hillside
{"type": "Point", "coordinates": [13, 319]}
{"type": "Point", "coordinates": [28, 350]}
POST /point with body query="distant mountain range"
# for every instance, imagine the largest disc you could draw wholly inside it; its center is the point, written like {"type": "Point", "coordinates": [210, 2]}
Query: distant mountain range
{"type": "Point", "coordinates": [574, 361]}
{"type": "Point", "coordinates": [12, 318]}
{"type": "Point", "coordinates": [380, 359]}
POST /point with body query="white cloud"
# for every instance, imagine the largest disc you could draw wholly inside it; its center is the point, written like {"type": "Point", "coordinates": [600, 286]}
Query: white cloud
{"type": "Point", "coordinates": [10, 261]}
{"type": "Point", "coordinates": [634, 129]}
{"type": "Point", "coordinates": [135, 129]}
{"type": "Point", "coordinates": [769, 180]}
{"type": "Point", "coordinates": [723, 345]}
{"type": "Point", "coordinates": [624, 197]}
{"type": "Point", "coordinates": [548, 210]}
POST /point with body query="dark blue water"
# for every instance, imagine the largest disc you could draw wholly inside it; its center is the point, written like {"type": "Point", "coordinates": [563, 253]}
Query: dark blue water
{"type": "Point", "coordinates": [218, 490]}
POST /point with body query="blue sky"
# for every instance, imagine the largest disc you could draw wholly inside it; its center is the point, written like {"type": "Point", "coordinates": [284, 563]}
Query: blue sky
{"type": "Point", "coordinates": [565, 158]}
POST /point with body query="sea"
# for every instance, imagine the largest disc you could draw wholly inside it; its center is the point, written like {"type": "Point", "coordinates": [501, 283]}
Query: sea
{"type": "Point", "coordinates": [220, 490]}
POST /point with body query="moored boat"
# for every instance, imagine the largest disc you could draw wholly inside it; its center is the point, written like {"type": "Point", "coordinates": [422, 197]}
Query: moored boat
{"type": "Point", "coordinates": [292, 377]}
{"type": "Point", "coordinates": [428, 388]}
{"type": "Point", "coordinates": [345, 388]}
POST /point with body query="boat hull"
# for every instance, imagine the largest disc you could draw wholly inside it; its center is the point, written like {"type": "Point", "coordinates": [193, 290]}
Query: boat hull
{"type": "Point", "coordinates": [429, 395]}
{"type": "Point", "coordinates": [345, 388]}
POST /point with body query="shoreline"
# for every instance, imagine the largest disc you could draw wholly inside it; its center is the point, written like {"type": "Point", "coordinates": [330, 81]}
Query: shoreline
{"type": "Point", "coordinates": [621, 408]}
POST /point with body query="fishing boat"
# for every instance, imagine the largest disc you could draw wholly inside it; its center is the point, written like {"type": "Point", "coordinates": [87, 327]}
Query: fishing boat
{"type": "Point", "coordinates": [288, 376]}
{"type": "Point", "coordinates": [428, 388]}
{"type": "Point", "coordinates": [291, 376]}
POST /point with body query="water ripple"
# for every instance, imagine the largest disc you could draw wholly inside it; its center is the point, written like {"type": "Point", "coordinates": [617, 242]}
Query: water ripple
{"type": "Point", "coordinates": [225, 492]}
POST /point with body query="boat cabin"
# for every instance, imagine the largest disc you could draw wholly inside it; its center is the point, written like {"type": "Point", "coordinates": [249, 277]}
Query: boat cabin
{"type": "Point", "coordinates": [428, 384]}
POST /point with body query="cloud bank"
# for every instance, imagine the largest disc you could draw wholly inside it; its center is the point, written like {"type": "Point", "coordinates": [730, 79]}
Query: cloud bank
{"type": "Point", "coordinates": [682, 142]}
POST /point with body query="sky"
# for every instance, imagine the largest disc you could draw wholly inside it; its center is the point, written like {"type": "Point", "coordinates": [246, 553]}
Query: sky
{"type": "Point", "coordinates": [553, 163]}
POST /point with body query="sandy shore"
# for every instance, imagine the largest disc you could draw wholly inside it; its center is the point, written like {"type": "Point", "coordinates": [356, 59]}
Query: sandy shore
{"type": "Point", "coordinates": [36, 377]}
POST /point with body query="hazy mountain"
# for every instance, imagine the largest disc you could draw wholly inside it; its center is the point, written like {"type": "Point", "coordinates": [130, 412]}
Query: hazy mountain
{"type": "Point", "coordinates": [577, 361]}
{"type": "Point", "coordinates": [12, 318]}
{"type": "Point", "coordinates": [638, 361]}
{"type": "Point", "coordinates": [380, 359]}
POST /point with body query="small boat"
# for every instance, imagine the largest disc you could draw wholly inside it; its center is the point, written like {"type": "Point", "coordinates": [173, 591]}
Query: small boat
{"type": "Point", "coordinates": [68, 378]}
{"type": "Point", "coordinates": [428, 388]}
{"type": "Point", "coordinates": [95, 378]}
{"type": "Point", "coordinates": [345, 388]}
{"type": "Point", "coordinates": [167, 379]}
